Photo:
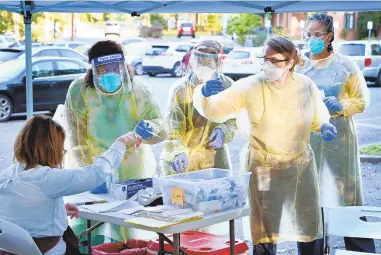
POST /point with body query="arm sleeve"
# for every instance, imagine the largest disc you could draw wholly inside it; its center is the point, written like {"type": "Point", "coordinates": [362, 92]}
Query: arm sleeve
{"type": "Point", "coordinates": [321, 112]}
{"type": "Point", "coordinates": [66, 182]}
{"type": "Point", "coordinates": [148, 109]}
{"type": "Point", "coordinates": [76, 116]}
{"type": "Point", "coordinates": [229, 128]}
{"type": "Point", "coordinates": [357, 95]}
{"type": "Point", "coordinates": [177, 124]}
{"type": "Point", "coordinates": [225, 105]}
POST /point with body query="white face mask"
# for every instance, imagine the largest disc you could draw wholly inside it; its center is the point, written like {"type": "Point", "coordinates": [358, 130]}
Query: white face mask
{"type": "Point", "coordinates": [272, 72]}
{"type": "Point", "coordinates": [204, 73]}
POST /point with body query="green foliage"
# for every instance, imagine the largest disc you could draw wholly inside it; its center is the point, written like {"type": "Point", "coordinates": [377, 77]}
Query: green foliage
{"type": "Point", "coordinates": [344, 33]}
{"type": "Point", "coordinates": [158, 21]}
{"type": "Point", "coordinates": [280, 31]}
{"type": "Point", "coordinates": [371, 150]}
{"type": "Point", "coordinates": [87, 17]}
{"type": "Point", "coordinates": [214, 23]}
{"type": "Point", "coordinates": [243, 24]}
{"type": "Point", "coordinates": [364, 17]}
{"type": "Point", "coordinates": [6, 22]}
{"type": "Point", "coordinates": [106, 16]}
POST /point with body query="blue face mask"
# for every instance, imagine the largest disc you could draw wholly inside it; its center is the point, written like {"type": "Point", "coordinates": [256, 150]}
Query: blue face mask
{"type": "Point", "coordinates": [110, 82]}
{"type": "Point", "coordinates": [316, 46]}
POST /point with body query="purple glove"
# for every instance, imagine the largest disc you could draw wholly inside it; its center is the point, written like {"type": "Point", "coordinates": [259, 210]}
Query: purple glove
{"type": "Point", "coordinates": [333, 104]}
{"type": "Point", "coordinates": [180, 162]}
{"type": "Point", "coordinates": [216, 139]}
{"type": "Point", "coordinates": [328, 132]}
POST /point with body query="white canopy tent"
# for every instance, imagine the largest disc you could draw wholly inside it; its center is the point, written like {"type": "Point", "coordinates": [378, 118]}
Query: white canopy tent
{"type": "Point", "coordinates": [137, 7]}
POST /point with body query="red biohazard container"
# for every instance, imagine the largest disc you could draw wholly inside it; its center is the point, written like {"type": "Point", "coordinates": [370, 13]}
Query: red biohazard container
{"type": "Point", "coordinates": [130, 247]}
{"type": "Point", "coordinates": [199, 243]}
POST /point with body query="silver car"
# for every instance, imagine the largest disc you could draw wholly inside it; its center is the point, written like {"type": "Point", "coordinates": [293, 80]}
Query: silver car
{"type": "Point", "coordinates": [367, 54]}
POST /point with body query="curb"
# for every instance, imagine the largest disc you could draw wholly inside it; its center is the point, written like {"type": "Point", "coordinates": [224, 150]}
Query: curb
{"type": "Point", "coordinates": [373, 159]}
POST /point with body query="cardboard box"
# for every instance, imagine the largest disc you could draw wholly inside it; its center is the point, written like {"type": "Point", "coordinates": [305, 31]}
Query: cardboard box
{"type": "Point", "coordinates": [126, 189]}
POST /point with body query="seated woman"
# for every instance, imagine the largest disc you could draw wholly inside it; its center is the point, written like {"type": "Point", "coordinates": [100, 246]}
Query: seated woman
{"type": "Point", "coordinates": [32, 190]}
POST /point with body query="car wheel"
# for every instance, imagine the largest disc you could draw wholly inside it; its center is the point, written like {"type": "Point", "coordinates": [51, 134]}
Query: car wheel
{"type": "Point", "coordinates": [378, 80]}
{"type": "Point", "coordinates": [177, 70]}
{"type": "Point", "coordinates": [151, 74]}
{"type": "Point", "coordinates": [6, 108]}
{"type": "Point", "coordinates": [178, 36]}
{"type": "Point", "coordinates": [139, 69]}
{"type": "Point", "coordinates": [193, 36]}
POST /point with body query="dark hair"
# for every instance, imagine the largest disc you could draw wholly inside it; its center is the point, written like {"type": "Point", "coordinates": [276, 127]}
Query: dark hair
{"type": "Point", "coordinates": [284, 46]}
{"type": "Point", "coordinates": [326, 21]}
{"type": "Point", "coordinates": [103, 48]}
{"type": "Point", "coordinates": [40, 142]}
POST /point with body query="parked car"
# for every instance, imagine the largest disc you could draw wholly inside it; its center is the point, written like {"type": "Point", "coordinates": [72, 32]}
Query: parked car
{"type": "Point", "coordinates": [227, 45]}
{"type": "Point", "coordinates": [135, 53]}
{"type": "Point", "coordinates": [51, 79]}
{"type": "Point", "coordinates": [71, 45]}
{"type": "Point", "coordinates": [112, 28]}
{"type": "Point", "coordinates": [243, 62]}
{"type": "Point", "coordinates": [13, 53]}
{"type": "Point", "coordinates": [186, 29]}
{"type": "Point", "coordinates": [165, 58]}
{"type": "Point", "coordinates": [367, 54]}
{"type": "Point", "coordinates": [130, 40]}
{"type": "Point", "coordinates": [6, 41]}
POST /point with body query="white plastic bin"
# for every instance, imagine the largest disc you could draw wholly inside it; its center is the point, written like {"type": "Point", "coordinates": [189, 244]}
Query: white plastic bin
{"type": "Point", "coordinates": [208, 191]}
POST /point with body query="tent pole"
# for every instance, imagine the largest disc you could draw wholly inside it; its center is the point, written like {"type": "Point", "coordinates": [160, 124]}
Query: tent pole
{"type": "Point", "coordinates": [28, 63]}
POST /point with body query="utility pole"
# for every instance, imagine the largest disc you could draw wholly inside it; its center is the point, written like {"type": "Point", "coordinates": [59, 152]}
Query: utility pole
{"type": "Point", "coordinates": [72, 27]}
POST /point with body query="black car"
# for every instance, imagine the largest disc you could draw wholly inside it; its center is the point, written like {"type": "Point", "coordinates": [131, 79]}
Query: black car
{"type": "Point", "coordinates": [43, 51]}
{"type": "Point", "coordinates": [51, 80]}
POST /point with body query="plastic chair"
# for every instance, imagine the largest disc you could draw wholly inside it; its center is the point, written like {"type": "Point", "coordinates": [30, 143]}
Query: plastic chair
{"type": "Point", "coordinates": [345, 221]}
{"type": "Point", "coordinates": [15, 239]}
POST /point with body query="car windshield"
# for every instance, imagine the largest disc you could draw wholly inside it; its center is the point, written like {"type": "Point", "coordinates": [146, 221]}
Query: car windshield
{"type": "Point", "coordinates": [129, 41]}
{"type": "Point", "coordinates": [157, 50]}
{"type": "Point", "coordinates": [11, 69]}
{"type": "Point", "coordinates": [238, 55]}
{"type": "Point", "coordinates": [6, 55]}
{"type": "Point", "coordinates": [186, 25]}
{"type": "Point", "coordinates": [352, 49]}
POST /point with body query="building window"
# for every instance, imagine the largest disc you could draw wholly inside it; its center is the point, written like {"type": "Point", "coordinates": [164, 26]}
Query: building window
{"type": "Point", "coordinates": [349, 20]}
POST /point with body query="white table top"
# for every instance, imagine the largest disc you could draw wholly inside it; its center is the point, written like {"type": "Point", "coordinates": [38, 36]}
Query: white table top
{"type": "Point", "coordinates": [119, 218]}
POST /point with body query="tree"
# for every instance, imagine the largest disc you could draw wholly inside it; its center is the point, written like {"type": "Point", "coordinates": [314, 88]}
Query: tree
{"type": "Point", "coordinates": [364, 17]}
{"type": "Point", "coordinates": [214, 23]}
{"type": "Point", "coordinates": [243, 24]}
{"type": "Point", "coordinates": [6, 22]}
{"type": "Point", "coordinates": [158, 21]}
{"type": "Point", "coordinates": [106, 16]}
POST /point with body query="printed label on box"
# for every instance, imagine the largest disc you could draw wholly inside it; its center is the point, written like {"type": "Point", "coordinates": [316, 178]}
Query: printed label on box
{"type": "Point", "coordinates": [177, 196]}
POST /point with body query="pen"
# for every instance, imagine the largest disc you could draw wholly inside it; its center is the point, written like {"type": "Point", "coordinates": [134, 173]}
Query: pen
{"type": "Point", "coordinates": [91, 203]}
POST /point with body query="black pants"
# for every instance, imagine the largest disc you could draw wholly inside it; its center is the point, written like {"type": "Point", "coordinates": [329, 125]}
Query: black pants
{"type": "Point", "coordinates": [310, 248]}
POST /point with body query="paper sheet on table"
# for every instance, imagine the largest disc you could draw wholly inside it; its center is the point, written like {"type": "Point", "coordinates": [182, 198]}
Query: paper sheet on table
{"type": "Point", "coordinates": [148, 222]}
{"type": "Point", "coordinates": [111, 207]}
{"type": "Point", "coordinates": [86, 197]}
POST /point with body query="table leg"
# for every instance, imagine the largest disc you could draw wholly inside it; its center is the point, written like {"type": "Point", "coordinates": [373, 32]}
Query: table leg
{"type": "Point", "coordinates": [161, 245]}
{"type": "Point", "coordinates": [232, 237]}
{"type": "Point", "coordinates": [176, 244]}
{"type": "Point", "coordinates": [88, 225]}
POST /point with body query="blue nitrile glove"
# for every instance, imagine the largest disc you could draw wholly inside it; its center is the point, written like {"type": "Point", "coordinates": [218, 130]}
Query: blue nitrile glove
{"type": "Point", "coordinates": [333, 104]}
{"type": "Point", "coordinates": [212, 87]}
{"type": "Point", "coordinates": [180, 162]}
{"type": "Point", "coordinates": [216, 139]}
{"type": "Point", "coordinates": [101, 189]}
{"type": "Point", "coordinates": [144, 130]}
{"type": "Point", "coordinates": [328, 132]}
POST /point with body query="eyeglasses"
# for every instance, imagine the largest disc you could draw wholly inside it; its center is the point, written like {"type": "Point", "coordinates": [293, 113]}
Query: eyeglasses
{"type": "Point", "coordinates": [272, 60]}
{"type": "Point", "coordinates": [316, 34]}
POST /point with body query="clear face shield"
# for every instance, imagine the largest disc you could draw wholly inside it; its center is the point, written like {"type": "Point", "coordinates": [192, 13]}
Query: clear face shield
{"type": "Point", "coordinates": [110, 74]}
{"type": "Point", "coordinates": [204, 65]}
